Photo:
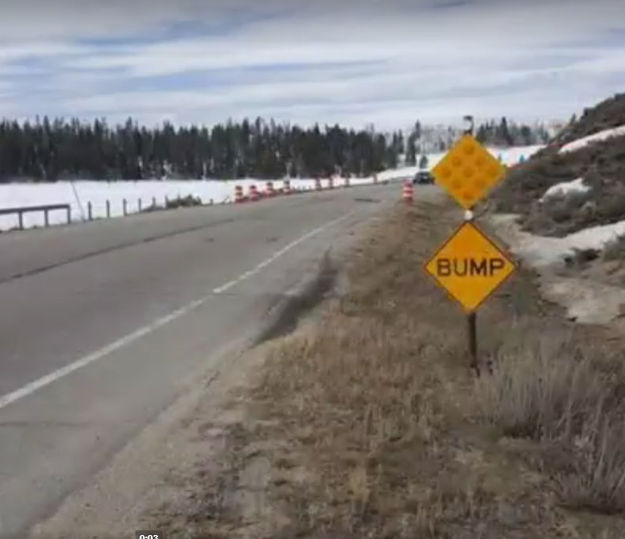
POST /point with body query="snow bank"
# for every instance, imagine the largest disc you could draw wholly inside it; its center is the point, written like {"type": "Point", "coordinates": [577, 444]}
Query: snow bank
{"type": "Point", "coordinates": [597, 137]}
{"type": "Point", "coordinates": [585, 300]}
{"type": "Point", "coordinates": [543, 251]}
{"type": "Point", "coordinates": [79, 193]}
{"type": "Point", "coordinates": [564, 188]}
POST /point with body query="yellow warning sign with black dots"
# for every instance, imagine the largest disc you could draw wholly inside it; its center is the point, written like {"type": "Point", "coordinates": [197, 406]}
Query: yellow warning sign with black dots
{"type": "Point", "coordinates": [470, 266]}
{"type": "Point", "coordinates": [468, 172]}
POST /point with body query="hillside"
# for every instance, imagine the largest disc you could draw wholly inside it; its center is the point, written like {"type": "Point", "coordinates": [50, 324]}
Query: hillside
{"type": "Point", "coordinates": [607, 114]}
{"type": "Point", "coordinates": [591, 173]}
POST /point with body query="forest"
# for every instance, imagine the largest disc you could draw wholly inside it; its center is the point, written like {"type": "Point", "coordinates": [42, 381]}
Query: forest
{"type": "Point", "coordinates": [50, 150]}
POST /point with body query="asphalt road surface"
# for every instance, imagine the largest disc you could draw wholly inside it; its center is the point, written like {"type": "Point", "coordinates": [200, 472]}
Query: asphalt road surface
{"type": "Point", "coordinates": [102, 324]}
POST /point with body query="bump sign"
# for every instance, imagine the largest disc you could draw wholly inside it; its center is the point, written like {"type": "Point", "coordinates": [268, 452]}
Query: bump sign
{"type": "Point", "coordinates": [470, 266]}
{"type": "Point", "coordinates": [468, 172]}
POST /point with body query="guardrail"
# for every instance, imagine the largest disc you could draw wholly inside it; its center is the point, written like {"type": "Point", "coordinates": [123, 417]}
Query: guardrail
{"type": "Point", "coordinates": [20, 211]}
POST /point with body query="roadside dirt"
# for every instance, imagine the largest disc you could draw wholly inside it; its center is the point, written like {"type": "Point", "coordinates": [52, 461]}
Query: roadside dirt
{"type": "Point", "coordinates": [366, 421]}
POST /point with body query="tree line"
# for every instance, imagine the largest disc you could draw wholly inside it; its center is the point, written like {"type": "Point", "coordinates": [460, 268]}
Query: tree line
{"type": "Point", "coordinates": [50, 150]}
{"type": "Point", "coordinates": [47, 150]}
{"type": "Point", "coordinates": [505, 133]}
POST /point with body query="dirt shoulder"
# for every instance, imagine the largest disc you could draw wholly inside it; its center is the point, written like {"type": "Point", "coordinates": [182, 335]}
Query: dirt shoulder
{"type": "Point", "coordinates": [366, 421]}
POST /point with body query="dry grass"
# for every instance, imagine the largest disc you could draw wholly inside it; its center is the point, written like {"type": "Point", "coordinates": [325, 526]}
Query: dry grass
{"type": "Point", "coordinates": [539, 392]}
{"type": "Point", "coordinates": [615, 250]}
{"type": "Point", "coordinates": [562, 397]}
{"type": "Point", "coordinates": [374, 426]}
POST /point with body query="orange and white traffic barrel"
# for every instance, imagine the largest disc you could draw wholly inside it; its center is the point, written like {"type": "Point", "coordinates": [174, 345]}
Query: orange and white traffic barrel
{"type": "Point", "coordinates": [407, 191]}
{"type": "Point", "coordinates": [270, 190]}
{"type": "Point", "coordinates": [238, 194]}
{"type": "Point", "coordinates": [254, 195]}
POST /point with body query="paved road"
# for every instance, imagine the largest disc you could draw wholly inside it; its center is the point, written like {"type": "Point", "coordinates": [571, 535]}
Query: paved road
{"type": "Point", "coordinates": [102, 324]}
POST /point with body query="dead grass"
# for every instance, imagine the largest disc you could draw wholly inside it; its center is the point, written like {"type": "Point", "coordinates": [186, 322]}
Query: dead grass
{"type": "Point", "coordinates": [563, 397]}
{"type": "Point", "coordinates": [615, 250]}
{"type": "Point", "coordinates": [539, 393]}
{"type": "Point", "coordinates": [374, 426]}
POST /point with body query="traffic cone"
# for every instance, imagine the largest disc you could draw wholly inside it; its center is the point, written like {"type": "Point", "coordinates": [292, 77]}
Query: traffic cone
{"type": "Point", "coordinates": [254, 195]}
{"type": "Point", "coordinates": [407, 193]}
{"type": "Point", "coordinates": [238, 194]}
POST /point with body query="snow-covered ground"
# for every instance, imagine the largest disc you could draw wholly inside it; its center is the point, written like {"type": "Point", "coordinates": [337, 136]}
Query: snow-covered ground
{"type": "Point", "coordinates": [545, 252]}
{"type": "Point", "coordinates": [565, 188]}
{"type": "Point", "coordinates": [586, 300]}
{"type": "Point", "coordinates": [591, 139]}
{"type": "Point", "coordinates": [79, 193]}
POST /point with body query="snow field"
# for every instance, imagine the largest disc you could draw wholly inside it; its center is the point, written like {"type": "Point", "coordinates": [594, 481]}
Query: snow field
{"type": "Point", "coordinates": [79, 193]}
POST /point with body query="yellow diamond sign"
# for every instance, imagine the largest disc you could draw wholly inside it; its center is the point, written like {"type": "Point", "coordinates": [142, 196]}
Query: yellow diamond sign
{"type": "Point", "coordinates": [470, 266]}
{"type": "Point", "coordinates": [468, 171]}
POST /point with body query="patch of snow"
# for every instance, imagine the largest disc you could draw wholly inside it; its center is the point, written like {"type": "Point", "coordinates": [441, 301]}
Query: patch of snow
{"type": "Point", "coordinates": [586, 301]}
{"type": "Point", "coordinates": [597, 137]}
{"type": "Point", "coordinates": [564, 188]}
{"type": "Point", "coordinates": [542, 251]}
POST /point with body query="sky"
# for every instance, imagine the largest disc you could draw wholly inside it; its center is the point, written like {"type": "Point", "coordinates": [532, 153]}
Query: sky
{"type": "Point", "coordinates": [386, 62]}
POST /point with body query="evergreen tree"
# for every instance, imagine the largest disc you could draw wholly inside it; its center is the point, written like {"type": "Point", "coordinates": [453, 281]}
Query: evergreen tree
{"type": "Point", "coordinates": [411, 152]}
{"type": "Point", "coordinates": [48, 150]}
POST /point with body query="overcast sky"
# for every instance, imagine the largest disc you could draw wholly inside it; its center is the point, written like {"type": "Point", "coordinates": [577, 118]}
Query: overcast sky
{"type": "Point", "coordinates": [388, 62]}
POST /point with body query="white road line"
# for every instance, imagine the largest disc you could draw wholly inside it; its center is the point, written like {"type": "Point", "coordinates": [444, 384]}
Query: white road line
{"type": "Point", "coordinates": [30, 388]}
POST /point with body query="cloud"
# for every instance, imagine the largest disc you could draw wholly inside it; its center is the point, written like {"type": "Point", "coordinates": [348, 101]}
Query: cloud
{"type": "Point", "coordinates": [356, 62]}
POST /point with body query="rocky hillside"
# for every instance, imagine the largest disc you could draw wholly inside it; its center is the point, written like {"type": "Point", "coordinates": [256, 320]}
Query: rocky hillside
{"type": "Point", "coordinates": [599, 198]}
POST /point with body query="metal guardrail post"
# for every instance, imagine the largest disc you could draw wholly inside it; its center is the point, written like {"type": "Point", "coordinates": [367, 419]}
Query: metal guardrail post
{"type": "Point", "coordinates": [125, 207]}
{"type": "Point", "coordinates": [69, 215]}
{"type": "Point", "coordinates": [89, 211]}
{"type": "Point", "coordinates": [139, 205]}
{"type": "Point", "coordinates": [46, 218]}
{"type": "Point", "coordinates": [108, 208]}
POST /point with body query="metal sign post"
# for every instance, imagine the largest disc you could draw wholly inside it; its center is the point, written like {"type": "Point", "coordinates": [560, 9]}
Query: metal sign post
{"type": "Point", "coordinates": [472, 316]}
{"type": "Point", "coordinates": [469, 265]}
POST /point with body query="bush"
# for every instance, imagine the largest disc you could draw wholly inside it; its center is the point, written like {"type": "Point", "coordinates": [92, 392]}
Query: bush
{"type": "Point", "coordinates": [563, 400]}
{"type": "Point", "coordinates": [186, 202]}
{"type": "Point", "coordinates": [596, 478]}
{"type": "Point", "coordinates": [612, 208]}
{"type": "Point", "coordinates": [615, 249]}
{"type": "Point", "coordinates": [532, 395]}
